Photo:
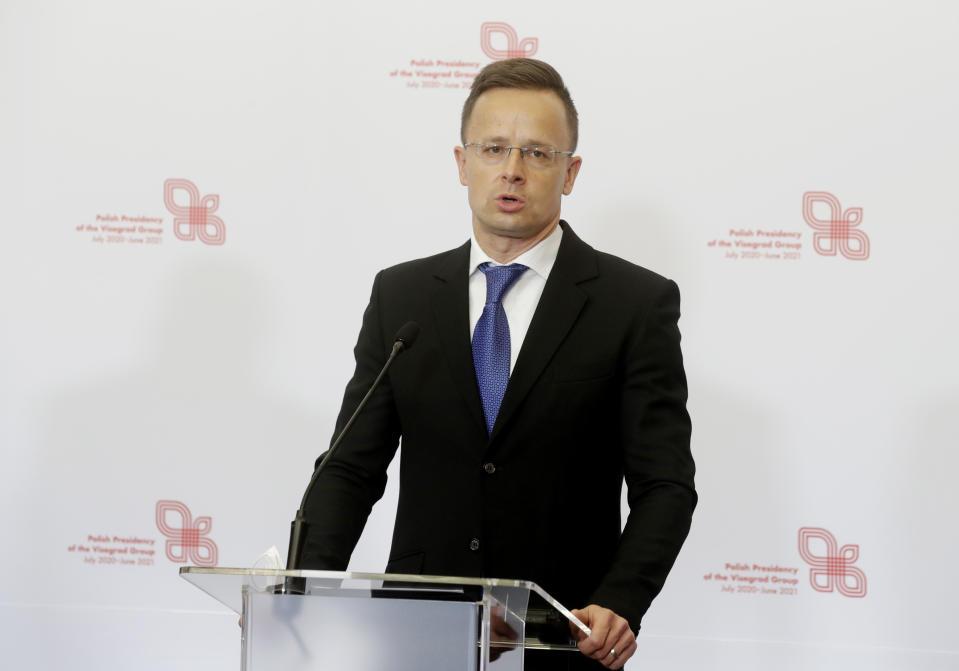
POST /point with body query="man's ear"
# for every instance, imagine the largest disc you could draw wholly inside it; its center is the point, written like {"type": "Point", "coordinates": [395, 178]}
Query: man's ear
{"type": "Point", "coordinates": [571, 171]}
{"type": "Point", "coordinates": [460, 154]}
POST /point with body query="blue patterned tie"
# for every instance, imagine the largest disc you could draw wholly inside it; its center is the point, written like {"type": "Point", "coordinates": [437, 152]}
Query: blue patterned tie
{"type": "Point", "coordinates": [491, 344]}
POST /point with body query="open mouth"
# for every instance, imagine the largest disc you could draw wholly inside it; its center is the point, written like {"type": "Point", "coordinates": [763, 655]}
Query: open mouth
{"type": "Point", "coordinates": [508, 203]}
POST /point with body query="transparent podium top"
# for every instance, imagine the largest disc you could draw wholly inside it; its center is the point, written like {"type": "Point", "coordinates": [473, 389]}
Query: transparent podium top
{"type": "Point", "coordinates": [546, 619]}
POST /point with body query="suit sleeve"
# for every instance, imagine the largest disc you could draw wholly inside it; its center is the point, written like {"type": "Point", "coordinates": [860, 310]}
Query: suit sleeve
{"type": "Point", "coordinates": [355, 476]}
{"type": "Point", "coordinates": [657, 462]}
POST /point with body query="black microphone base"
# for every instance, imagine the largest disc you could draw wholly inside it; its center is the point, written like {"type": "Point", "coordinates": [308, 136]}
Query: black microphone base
{"type": "Point", "coordinates": [291, 586]}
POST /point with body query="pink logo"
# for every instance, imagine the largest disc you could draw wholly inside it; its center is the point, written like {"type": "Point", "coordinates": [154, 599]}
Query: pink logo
{"type": "Point", "coordinates": [186, 542]}
{"type": "Point", "coordinates": [196, 219]}
{"type": "Point", "coordinates": [515, 48]}
{"type": "Point", "coordinates": [834, 568]}
{"type": "Point", "coordinates": [837, 230]}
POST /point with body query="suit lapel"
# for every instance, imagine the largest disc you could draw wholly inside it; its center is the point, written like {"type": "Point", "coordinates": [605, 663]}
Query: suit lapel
{"type": "Point", "coordinates": [450, 304]}
{"type": "Point", "coordinates": [558, 309]}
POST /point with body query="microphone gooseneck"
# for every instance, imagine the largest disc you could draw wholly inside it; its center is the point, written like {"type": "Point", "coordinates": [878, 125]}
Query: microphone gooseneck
{"type": "Point", "coordinates": [402, 341]}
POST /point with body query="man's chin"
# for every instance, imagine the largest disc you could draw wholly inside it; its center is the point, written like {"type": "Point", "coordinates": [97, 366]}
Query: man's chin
{"type": "Point", "coordinates": [513, 227]}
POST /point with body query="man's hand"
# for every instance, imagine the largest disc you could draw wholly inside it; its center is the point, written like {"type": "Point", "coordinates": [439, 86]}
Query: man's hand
{"type": "Point", "coordinates": [612, 641]}
{"type": "Point", "coordinates": [500, 633]}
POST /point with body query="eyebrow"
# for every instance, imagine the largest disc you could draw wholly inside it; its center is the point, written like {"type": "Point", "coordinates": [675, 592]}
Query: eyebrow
{"type": "Point", "coordinates": [499, 139]}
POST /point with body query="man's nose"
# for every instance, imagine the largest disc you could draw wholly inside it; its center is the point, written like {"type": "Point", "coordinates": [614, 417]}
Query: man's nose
{"type": "Point", "coordinates": [514, 167]}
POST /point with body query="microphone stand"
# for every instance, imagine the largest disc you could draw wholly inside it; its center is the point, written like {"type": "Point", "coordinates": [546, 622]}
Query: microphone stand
{"type": "Point", "coordinates": [299, 527]}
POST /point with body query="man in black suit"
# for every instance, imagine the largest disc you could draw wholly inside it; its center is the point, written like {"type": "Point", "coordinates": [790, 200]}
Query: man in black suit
{"type": "Point", "coordinates": [521, 413]}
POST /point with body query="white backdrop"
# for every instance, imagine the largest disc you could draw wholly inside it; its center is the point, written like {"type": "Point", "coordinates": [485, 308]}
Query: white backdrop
{"type": "Point", "coordinates": [138, 365]}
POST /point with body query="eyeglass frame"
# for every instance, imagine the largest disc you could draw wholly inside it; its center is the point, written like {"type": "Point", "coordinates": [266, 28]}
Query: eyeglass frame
{"type": "Point", "coordinates": [523, 151]}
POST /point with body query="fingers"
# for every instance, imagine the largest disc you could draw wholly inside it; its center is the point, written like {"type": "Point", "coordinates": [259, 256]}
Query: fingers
{"type": "Point", "coordinates": [578, 634]}
{"type": "Point", "coordinates": [612, 641]}
{"type": "Point", "coordinates": [623, 650]}
{"type": "Point", "coordinates": [501, 630]}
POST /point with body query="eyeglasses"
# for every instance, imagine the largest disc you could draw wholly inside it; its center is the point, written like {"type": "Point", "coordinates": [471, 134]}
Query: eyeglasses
{"type": "Point", "coordinates": [536, 156]}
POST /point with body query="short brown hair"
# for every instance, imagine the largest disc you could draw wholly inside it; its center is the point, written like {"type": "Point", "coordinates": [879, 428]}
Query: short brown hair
{"type": "Point", "coordinates": [521, 73]}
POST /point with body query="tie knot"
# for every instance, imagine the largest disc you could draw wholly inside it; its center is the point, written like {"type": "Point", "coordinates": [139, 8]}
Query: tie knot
{"type": "Point", "coordinates": [499, 279]}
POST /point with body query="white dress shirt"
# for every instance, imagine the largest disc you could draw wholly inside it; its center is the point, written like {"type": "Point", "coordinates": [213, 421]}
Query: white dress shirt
{"type": "Point", "coordinates": [521, 300]}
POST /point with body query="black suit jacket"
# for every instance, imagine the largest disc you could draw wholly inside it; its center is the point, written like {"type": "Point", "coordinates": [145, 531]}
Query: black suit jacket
{"type": "Point", "coordinates": [597, 394]}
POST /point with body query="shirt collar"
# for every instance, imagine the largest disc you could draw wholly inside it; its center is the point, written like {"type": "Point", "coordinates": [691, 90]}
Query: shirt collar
{"type": "Point", "coordinates": [539, 258]}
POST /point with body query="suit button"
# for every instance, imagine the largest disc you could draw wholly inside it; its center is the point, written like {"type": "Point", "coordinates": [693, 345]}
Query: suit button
{"type": "Point", "coordinates": [474, 544]}
{"type": "Point", "coordinates": [489, 468]}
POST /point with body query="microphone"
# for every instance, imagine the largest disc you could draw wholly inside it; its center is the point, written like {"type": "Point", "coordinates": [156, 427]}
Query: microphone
{"type": "Point", "coordinates": [406, 336]}
{"type": "Point", "coordinates": [402, 341]}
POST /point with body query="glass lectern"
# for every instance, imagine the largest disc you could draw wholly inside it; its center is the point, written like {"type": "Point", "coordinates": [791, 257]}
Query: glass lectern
{"type": "Point", "coordinates": [341, 621]}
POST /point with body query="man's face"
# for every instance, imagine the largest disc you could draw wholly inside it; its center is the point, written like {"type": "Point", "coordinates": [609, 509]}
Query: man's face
{"type": "Point", "coordinates": [513, 199]}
